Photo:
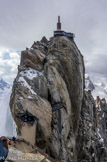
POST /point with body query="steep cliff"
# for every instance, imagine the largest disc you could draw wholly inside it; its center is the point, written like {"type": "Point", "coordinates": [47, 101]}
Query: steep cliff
{"type": "Point", "coordinates": [49, 104]}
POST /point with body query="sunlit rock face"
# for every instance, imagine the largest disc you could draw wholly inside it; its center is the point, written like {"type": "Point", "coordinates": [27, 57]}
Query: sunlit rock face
{"type": "Point", "coordinates": [51, 77]}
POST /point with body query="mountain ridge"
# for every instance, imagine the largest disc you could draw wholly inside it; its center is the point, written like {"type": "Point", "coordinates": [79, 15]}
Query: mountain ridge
{"type": "Point", "coordinates": [3, 85]}
{"type": "Point", "coordinates": [97, 83]}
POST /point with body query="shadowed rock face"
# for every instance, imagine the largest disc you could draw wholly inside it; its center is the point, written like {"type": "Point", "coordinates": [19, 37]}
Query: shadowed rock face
{"type": "Point", "coordinates": [64, 62]}
{"type": "Point", "coordinates": [52, 73]}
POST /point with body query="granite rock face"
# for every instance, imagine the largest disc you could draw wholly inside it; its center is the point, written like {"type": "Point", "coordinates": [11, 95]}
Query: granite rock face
{"type": "Point", "coordinates": [90, 145]}
{"type": "Point", "coordinates": [51, 74]}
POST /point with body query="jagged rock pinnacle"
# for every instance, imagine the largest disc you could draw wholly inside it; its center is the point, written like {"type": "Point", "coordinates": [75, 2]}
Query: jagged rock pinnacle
{"type": "Point", "coordinates": [50, 87]}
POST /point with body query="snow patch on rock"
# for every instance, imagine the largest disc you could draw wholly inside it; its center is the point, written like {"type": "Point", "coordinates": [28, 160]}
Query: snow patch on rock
{"type": "Point", "coordinates": [31, 73]}
{"type": "Point", "coordinates": [26, 85]}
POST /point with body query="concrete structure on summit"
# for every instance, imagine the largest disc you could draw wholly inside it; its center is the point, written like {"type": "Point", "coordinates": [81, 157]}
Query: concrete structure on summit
{"type": "Point", "coordinates": [60, 32]}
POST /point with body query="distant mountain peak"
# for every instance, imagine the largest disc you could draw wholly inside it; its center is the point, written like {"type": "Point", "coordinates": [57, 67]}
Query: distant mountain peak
{"type": "Point", "coordinates": [3, 84]}
{"type": "Point", "coordinates": [97, 83]}
{"type": "Point", "coordinates": [89, 83]}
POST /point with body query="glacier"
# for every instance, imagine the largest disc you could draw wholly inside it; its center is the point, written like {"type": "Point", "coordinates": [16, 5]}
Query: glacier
{"type": "Point", "coordinates": [7, 124]}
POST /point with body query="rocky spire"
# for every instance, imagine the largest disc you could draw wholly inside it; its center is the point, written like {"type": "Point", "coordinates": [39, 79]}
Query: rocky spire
{"type": "Point", "coordinates": [51, 77]}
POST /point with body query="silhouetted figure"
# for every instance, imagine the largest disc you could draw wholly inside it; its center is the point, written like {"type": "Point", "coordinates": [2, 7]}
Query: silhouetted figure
{"type": "Point", "coordinates": [3, 149]}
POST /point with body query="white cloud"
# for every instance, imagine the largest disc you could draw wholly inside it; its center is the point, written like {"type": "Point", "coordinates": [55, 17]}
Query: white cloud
{"type": "Point", "coordinates": [8, 67]}
{"type": "Point", "coordinates": [14, 55]}
{"type": "Point", "coordinates": [0, 54]}
{"type": "Point", "coordinates": [86, 18]}
{"type": "Point", "coordinates": [2, 51]}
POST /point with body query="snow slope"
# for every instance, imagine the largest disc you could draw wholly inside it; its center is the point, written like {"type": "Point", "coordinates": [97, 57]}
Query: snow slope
{"type": "Point", "coordinates": [97, 83]}
{"type": "Point", "coordinates": [7, 125]}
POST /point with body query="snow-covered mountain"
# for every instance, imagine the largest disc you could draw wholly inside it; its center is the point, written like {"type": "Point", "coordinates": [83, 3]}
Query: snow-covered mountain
{"type": "Point", "coordinates": [97, 83]}
{"type": "Point", "coordinates": [3, 86]}
{"type": "Point", "coordinates": [7, 125]}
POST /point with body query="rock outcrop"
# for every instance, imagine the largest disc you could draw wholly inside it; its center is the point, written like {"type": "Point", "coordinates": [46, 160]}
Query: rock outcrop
{"type": "Point", "coordinates": [91, 146]}
{"type": "Point", "coordinates": [51, 74]}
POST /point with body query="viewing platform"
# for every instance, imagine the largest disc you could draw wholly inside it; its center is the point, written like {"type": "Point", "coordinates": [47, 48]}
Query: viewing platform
{"type": "Point", "coordinates": [60, 32]}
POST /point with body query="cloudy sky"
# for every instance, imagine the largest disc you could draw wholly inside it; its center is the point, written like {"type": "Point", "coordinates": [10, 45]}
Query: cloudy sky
{"type": "Point", "coordinates": [24, 21]}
